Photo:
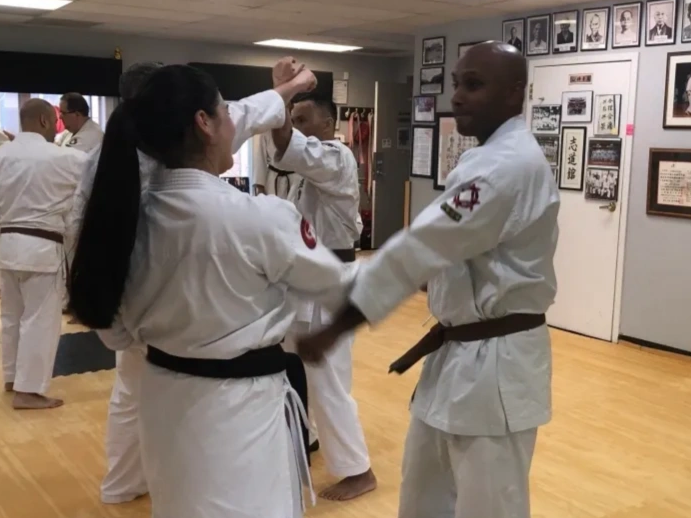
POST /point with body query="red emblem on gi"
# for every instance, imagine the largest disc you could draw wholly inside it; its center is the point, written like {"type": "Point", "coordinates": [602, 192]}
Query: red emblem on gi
{"type": "Point", "coordinates": [467, 202]}
{"type": "Point", "coordinates": [308, 234]}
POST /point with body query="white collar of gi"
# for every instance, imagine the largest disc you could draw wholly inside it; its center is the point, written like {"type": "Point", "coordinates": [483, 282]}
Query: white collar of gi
{"type": "Point", "coordinates": [511, 125]}
{"type": "Point", "coordinates": [30, 136]}
{"type": "Point", "coordinates": [163, 179]}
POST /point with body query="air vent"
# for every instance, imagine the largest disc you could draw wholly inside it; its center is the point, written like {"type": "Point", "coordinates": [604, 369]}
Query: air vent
{"type": "Point", "coordinates": [55, 22]}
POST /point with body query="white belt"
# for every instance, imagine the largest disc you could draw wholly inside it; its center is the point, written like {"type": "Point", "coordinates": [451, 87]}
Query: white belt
{"type": "Point", "coordinates": [296, 412]}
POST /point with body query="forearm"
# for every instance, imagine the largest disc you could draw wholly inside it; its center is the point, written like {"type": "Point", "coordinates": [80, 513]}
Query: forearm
{"type": "Point", "coordinates": [282, 136]}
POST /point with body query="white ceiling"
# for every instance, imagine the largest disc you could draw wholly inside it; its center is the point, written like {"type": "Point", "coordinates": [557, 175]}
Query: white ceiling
{"type": "Point", "coordinates": [380, 26]}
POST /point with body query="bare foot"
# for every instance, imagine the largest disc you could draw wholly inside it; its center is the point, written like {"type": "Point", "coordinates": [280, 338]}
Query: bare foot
{"type": "Point", "coordinates": [9, 387]}
{"type": "Point", "coordinates": [24, 401]}
{"type": "Point", "coordinates": [351, 487]}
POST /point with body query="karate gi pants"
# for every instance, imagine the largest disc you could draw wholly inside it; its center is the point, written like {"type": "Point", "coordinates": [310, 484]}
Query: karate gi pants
{"type": "Point", "coordinates": [333, 409]}
{"type": "Point", "coordinates": [125, 479]}
{"type": "Point", "coordinates": [31, 323]}
{"type": "Point", "coordinates": [454, 476]}
{"type": "Point", "coordinates": [218, 448]}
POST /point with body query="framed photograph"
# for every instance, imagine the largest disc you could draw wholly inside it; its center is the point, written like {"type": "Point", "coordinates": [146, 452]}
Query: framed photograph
{"type": "Point", "coordinates": [449, 145]}
{"type": "Point", "coordinates": [546, 119]}
{"type": "Point", "coordinates": [604, 153]}
{"type": "Point", "coordinates": [677, 113]}
{"type": "Point", "coordinates": [550, 147]}
{"type": "Point", "coordinates": [626, 25]}
{"type": "Point", "coordinates": [577, 106]}
{"type": "Point", "coordinates": [422, 152]}
{"type": "Point", "coordinates": [424, 109]}
{"type": "Point", "coordinates": [434, 51]}
{"type": "Point", "coordinates": [538, 35]}
{"type": "Point", "coordinates": [463, 48]}
{"type": "Point", "coordinates": [565, 38]}
{"type": "Point", "coordinates": [686, 22]}
{"type": "Point", "coordinates": [572, 158]}
{"type": "Point", "coordinates": [607, 115]}
{"type": "Point", "coordinates": [602, 184]}
{"type": "Point", "coordinates": [432, 81]}
{"type": "Point", "coordinates": [662, 22]}
{"type": "Point", "coordinates": [514, 33]}
{"type": "Point", "coordinates": [595, 33]}
{"type": "Point", "coordinates": [669, 183]}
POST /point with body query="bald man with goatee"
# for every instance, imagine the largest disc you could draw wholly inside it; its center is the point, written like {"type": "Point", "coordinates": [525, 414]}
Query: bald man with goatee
{"type": "Point", "coordinates": [37, 181]}
{"type": "Point", "coordinates": [485, 250]}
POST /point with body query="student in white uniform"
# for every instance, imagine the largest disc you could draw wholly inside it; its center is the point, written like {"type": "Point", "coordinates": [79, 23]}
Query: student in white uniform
{"type": "Point", "coordinates": [328, 197]}
{"type": "Point", "coordinates": [37, 181]}
{"type": "Point", "coordinates": [205, 276]}
{"type": "Point", "coordinates": [269, 179]}
{"type": "Point", "coordinates": [81, 132]}
{"type": "Point", "coordinates": [485, 247]}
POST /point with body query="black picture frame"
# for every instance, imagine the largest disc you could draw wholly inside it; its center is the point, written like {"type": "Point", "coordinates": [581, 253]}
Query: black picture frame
{"type": "Point", "coordinates": [606, 145]}
{"type": "Point", "coordinates": [507, 24]}
{"type": "Point", "coordinates": [439, 84]}
{"type": "Point", "coordinates": [545, 19]}
{"type": "Point", "coordinates": [428, 99]}
{"type": "Point", "coordinates": [673, 94]}
{"type": "Point", "coordinates": [433, 61]}
{"type": "Point", "coordinates": [565, 163]}
{"type": "Point", "coordinates": [685, 15]}
{"type": "Point", "coordinates": [653, 206]}
{"type": "Point", "coordinates": [465, 46]}
{"type": "Point", "coordinates": [451, 121]}
{"type": "Point", "coordinates": [617, 11]}
{"type": "Point", "coordinates": [673, 32]}
{"type": "Point", "coordinates": [566, 15]}
{"type": "Point", "coordinates": [590, 189]}
{"type": "Point", "coordinates": [605, 24]}
{"type": "Point", "coordinates": [432, 162]}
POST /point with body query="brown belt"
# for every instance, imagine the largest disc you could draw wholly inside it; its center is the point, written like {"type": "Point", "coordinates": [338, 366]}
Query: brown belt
{"type": "Point", "coordinates": [484, 330]}
{"type": "Point", "coordinates": [34, 232]}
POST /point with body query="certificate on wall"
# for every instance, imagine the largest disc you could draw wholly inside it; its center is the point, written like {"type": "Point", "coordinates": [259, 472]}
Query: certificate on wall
{"type": "Point", "coordinates": [340, 91]}
{"type": "Point", "coordinates": [449, 146]}
{"type": "Point", "coordinates": [669, 183]}
{"type": "Point", "coordinates": [423, 144]}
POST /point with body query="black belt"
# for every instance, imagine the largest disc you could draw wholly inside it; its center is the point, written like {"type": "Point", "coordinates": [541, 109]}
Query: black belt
{"type": "Point", "coordinates": [346, 255]}
{"type": "Point", "coordinates": [280, 173]}
{"type": "Point", "coordinates": [432, 341]}
{"type": "Point", "coordinates": [56, 237]}
{"type": "Point", "coordinates": [256, 363]}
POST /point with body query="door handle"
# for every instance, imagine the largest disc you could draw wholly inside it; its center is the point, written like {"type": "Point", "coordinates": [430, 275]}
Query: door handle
{"type": "Point", "coordinates": [611, 206]}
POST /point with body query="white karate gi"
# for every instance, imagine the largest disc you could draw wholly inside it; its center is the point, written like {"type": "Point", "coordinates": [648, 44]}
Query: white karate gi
{"type": "Point", "coordinates": [87, 139]}
{"type": "Point", "coordinates": [263, 153]}
{"type": "Point", "coordinates": [478, 404]}
{"type": "Point", "coordinates": [328, 196]}
{"type": "Point", "coordinates": [37, 181]}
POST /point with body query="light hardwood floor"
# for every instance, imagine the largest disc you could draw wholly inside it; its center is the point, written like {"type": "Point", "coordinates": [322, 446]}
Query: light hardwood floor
{"type": "Point", "coordinates": [619, 445]}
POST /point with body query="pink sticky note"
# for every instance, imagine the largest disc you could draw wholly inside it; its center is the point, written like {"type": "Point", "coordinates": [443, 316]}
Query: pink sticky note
{"type": "Point", "coordinates": [629, 130]}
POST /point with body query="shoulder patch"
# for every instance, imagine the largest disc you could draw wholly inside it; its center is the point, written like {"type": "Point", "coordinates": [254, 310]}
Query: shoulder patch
{"type": "Point", "coordinates": [468, 198]}
{"type": "Point", "coordinates": [451, 212]}
{"type": "Point", "coordinates": [307, 233]}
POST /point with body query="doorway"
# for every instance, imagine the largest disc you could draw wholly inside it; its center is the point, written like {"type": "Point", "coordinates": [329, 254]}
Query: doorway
{"type": "Point", "coordinates": [590, 254]}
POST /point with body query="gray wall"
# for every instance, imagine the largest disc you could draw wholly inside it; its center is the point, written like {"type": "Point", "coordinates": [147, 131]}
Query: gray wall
{"type": "Point", "coordinates": [363, 70]}
{"type": "Point", "coordinates": [657, 279]}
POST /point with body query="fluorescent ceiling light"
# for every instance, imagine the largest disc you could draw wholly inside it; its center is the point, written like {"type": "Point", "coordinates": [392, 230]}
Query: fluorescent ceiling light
{"type": "Point", "coordinates": [306, 45]}
{"type": "Point", "coordinates": [44, 5]}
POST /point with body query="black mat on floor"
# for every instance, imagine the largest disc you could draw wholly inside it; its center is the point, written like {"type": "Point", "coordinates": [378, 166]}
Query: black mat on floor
{"type": "Point", "coordinates": [82, 352]}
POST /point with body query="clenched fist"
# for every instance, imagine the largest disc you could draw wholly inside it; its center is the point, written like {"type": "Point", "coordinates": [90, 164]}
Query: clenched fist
{"type": "Point", "coordinates": [285, 70]}
{"type": "Point", "coordinates": [305, 81]}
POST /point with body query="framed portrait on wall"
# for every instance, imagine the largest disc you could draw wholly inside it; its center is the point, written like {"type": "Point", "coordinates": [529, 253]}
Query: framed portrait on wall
{"type": "Point", "coordinates": [626, 25]}
{"type": "Point", "coordinates": [538, 35]}
{"type": "Point", "coordinates": [514, 33]}
{"type": "Point", "coordinates": [572, 159]}
{"type": "Point", "coordinates": [449, 145]}
{"type": "Point", "coordinates": [661, 22]}
{"type": "Point", "coordinates": [604, 152]}
{"type": "Point", "coordinates": [565, 37]}
{"type": "Point", "coordinates": [677, 113]}
{"type": "Point", "coordinates": [424, 109]}
{"type": "Point", "coordinates": [686, 22]}
{"type": "Point", "coordinates": [669, 183]}
{"type": "Point", "coordinates": [433, 51]}
{"type": "Point", "coordinates": [432, 81]}
{"type": "Point", "coordinates": [595, 32]}
{"type": "Point", "coordinates": [602, 184]}
{"type": "Point", "coordinates": [463, 48]}
{"type": "Point", "coordinates": [577, 106]}
{"type": "Point", "coordinates": [422, 160]}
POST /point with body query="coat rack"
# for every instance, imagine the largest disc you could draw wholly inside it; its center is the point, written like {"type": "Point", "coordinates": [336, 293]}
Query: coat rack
{"type": "Point", "coordinates": [344, 112]}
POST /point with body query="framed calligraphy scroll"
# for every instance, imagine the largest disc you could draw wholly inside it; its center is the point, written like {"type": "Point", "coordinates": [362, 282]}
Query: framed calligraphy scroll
{"type": "Point", "coordinates": [572, 158]}
{"type": "Point", "coordinates": [449, 145]}
{"type": "Point", "coordinates": [669, 183]}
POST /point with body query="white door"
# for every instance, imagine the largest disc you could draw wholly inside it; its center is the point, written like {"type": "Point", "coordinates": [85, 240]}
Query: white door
{"type": "Point", "coordinates": [589, 256]}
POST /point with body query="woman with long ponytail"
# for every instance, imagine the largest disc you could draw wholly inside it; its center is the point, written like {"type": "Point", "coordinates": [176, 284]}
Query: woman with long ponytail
{"type": "Point", "coordinates": [204, 275]}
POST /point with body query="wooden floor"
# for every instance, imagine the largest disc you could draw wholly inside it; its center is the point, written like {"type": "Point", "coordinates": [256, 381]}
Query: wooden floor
{"type": "Point", "coordinates": [619, 445]}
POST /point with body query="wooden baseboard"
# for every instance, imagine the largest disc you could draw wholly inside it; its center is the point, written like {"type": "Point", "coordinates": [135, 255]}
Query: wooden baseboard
{"type": "Point", "coordinates": [653, 345]}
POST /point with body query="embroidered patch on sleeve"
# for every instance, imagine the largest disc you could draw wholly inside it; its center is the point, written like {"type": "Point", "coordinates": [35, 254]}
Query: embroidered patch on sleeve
{"type": "Point", "coordinates": [468, 198]}
{"type": "Point", "coordinates": [451, 212]}
{"type": "Point", "coordinates": [307, 233]}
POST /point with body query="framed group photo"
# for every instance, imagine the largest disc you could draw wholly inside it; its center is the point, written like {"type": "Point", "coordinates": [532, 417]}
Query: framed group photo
{"type": "Point", "coordinates": [669, 183]}
{"type": "Point", "coordinates": [433, 51]}
{"type": "Point", "coordinates": [602, 184]}
{"type": "Point", "coordinates": [546, 119]}
{"type": "Point", "coordinates": [626, 25]}
{"type": "Point", "coordinates": [550, 148]}
{"type": "Point", "coordinates": [661, 22]}
{"type": "Point", "coordinates": [449, 145]}
{"type": "Point", "coordinates": [514, 33]}
{"type": "Point", "coordinates": [595, 32]}
{"type": "Point", "coordinates": [565, 38]}
{"type": "Point", "coordinates": [677, 112]}
{"type": "Point", "coordinates": [577, 106]}
{"type": "Point", "coordinates": [572, 159]}
{"type": "Point", "coordinates": [538, 35]}
{"type": "Point", "coordinates": [604, 153]}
